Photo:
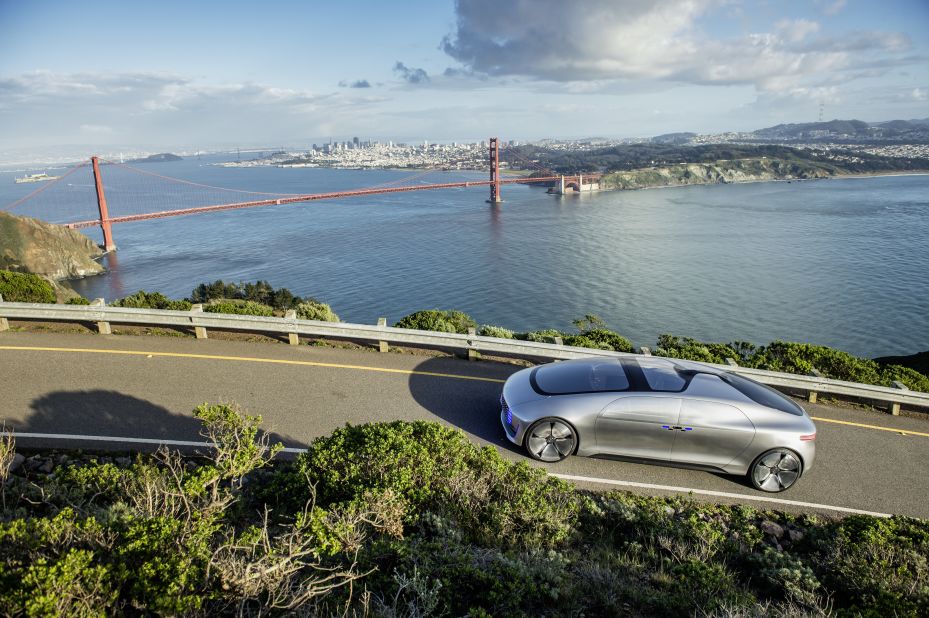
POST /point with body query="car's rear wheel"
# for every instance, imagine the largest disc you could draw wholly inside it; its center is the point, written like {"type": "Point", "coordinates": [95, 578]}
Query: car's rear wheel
{"type": "Point", "coordinates": [550, 439]}
{"type": "Point", "coordinates": [776, 470]}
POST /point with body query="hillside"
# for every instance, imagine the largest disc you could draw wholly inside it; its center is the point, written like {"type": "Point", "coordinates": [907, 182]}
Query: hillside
{"type": "Point", "coordinates": [53, 251]}
{"type": "Point", "coordinates": [720, 172]}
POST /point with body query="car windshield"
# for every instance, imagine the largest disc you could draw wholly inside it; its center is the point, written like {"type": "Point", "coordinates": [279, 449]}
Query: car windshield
{"type": "Point", "coordinates": [587, 377]}
{"type": "Point", "coordinates": [762, 394]}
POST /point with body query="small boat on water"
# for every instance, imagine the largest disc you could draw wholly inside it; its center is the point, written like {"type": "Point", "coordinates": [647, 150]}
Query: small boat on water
{"type": "Point", "coordinates": [36, 178]}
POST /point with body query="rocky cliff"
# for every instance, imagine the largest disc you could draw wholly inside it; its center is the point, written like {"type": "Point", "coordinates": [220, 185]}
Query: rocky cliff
{"type": "Point", "coordinates": [720, 172]}
{"type": "Point", "coordinates": [53, 251]}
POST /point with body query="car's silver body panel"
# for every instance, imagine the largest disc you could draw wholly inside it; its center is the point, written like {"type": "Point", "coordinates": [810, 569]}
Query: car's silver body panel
{"type": "Point", "coordinates": [708, 424]}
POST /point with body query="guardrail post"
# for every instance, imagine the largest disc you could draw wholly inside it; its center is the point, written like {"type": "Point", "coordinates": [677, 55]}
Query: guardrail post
{"type": "Point", "coordinates": [645, 350]}
{"type": "Point", "coordinates": [102, 327]}
{"type": "Point", "coordinates": [559, 341]}
{"type": "Point", "coordinates": [731, 362]}
{"type": "Point", "coordinates": [4, 323]}
{"type": "Point", "coordinates": [382, 345]}
{"type": "Point", "coordinates": [293, 337]}
{"type": "Point", "coordinates": [813, 395]}
{"type": "Point", "coordinates": [895, 406]}
{"type": "Point", "coordinates": [473, 354]}
{"type": "Point", "coordinates": [199, 330]}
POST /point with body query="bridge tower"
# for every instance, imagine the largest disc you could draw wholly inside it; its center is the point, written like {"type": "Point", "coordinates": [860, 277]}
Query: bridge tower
{"type": "Point", "coordinates": [108, 244]}
{"type": "Point", "coordinates": [494, 173]}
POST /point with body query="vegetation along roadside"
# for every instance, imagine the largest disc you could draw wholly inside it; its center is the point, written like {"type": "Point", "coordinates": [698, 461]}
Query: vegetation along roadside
{"type": "Point", "coordinates": [411, 519]}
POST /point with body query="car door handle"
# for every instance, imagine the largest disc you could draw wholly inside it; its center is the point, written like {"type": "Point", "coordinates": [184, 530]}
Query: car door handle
{"type": "Point", "coordinates": [676, 428]}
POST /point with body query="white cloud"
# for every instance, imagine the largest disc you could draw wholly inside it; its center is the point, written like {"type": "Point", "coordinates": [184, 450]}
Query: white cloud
{"type": "Point", "coordinates": [661, 39]}
{"type": "Point", "coordinates": [90, 108]}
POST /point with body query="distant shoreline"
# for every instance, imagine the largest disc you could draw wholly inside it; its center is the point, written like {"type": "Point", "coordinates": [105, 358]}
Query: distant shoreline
{"type": "Point", "coordinates": [763, 180]}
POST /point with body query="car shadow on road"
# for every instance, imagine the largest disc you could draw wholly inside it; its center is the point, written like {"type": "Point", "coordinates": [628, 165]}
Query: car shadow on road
{"type": "Point", "coordinates": [470, 405]}
{"type": "Point", "coordinates": [97, 413]}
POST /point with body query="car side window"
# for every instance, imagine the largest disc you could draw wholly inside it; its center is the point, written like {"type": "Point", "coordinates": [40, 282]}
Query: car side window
{"type": "Point", "coordinates": [662, 377]}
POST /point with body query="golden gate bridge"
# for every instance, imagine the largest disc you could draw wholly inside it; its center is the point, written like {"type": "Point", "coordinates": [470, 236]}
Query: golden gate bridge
{"type": "Point", "coordinates": [62, 210]}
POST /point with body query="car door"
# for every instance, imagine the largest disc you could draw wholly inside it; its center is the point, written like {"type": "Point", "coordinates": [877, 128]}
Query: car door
{"type": "Point", "coordinates": [639, 426]}
{"type": "Point", "coordinates": [711, 433]}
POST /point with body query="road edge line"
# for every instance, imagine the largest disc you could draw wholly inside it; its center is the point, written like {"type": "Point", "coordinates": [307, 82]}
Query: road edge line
{"type": "Point", "coordinates": [567, 477]}
{"type": "Point", "coordinates": [719, 494]}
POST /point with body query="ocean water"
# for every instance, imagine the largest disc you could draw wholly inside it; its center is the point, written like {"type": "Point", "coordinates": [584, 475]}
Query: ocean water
{"type": "Point", "coordinates": [841, 262]}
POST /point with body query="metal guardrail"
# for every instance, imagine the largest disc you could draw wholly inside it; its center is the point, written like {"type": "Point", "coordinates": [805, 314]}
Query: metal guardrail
{"type": "Point", "coordinates": [384, 335]}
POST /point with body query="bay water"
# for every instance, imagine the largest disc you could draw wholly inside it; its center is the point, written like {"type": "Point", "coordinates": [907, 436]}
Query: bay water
{"type": "Point", "coordinates": [839, 262]}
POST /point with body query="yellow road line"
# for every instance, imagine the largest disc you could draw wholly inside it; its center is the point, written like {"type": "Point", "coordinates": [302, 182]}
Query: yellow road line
{"type": "Point", "coordinates": [879, 428]}
{"type": "Point", "coordinates": [252, 360]}
{"type": "Point", "coordinates": [362, 368]}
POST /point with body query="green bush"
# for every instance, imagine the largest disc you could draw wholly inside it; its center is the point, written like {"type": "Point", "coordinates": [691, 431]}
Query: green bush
{"type": "Point", "coordinates": [789, 357]}
{"type": "Point", "coordinates": [428, 524]}
{"type": "Point", "coordinates": [239, 308]}
{"type": "Point", "coordinates": [878, 567]}
{"type": "Point", "coordinates": [914, 380]}
{"type": "Point", "coordinates": [781, 574]}
{"type": "Point", "coordinates": [600, 338]}
{"type": "Point", "coordinates": [541, 336]}
{"type": "Point", "coordinates": [315, 310]}
{"type": "Point", "coordinates": [259, 292]}
{"type": "Point", "coordinates": [436, 469]}
{"type": "Point", "coordinates": [438, 321]}
{"type": "Point", "coordinates": [687, 348]}
{"type": "Point", "coordinates": [152, 300]}
{"type": "Point", "coordinates": [80, 300]}
{"type": "Point", "coordinates": [25, 288]}
{"type": "Point", "coordinates": [495, 331]}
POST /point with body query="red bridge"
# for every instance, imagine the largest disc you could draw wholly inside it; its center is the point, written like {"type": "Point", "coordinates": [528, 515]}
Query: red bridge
{"type": "Point", "coordinates": [105, 220]}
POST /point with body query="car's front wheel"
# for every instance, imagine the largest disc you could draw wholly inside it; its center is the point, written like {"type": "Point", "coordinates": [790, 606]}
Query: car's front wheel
{"type": "Point", "coordinates": [776, 470]}
{"type": "Point", "coordinates": [550, 439]}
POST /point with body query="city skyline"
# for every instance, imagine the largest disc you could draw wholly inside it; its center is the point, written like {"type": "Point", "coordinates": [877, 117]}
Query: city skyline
{"type": "Point", "coordinates": [218, 75]}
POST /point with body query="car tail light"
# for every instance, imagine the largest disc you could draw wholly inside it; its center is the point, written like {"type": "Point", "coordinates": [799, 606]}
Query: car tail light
{"type": "Point", "coordinates": [808, 437]}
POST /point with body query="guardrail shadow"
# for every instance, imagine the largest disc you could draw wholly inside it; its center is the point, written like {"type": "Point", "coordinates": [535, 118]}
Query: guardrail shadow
{"type": "Point", "coordinates": [96, 413]}
{"type": "Point", "coordinates": [470, 405]}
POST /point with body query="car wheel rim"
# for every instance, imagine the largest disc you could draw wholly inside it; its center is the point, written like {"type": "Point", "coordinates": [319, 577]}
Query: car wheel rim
{"type": "Point", "coordinates": [776, 471]}
{"type": "Point", "coordinates": [551, 441]}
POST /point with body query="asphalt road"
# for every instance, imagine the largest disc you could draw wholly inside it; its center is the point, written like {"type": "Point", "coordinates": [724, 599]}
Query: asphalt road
{"type": "Point", "coordinates": [75, 389]}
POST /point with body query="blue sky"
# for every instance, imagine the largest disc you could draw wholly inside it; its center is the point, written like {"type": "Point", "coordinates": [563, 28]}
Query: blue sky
{"type": "Point", "coordinates": [177, 75]}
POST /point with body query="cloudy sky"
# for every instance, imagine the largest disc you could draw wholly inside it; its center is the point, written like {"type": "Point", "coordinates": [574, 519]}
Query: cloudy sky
{"type": "Point", "coordinates": [189, 74]}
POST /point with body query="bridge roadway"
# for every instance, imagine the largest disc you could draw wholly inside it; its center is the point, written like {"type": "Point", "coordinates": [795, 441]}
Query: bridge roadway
{"type": "Point", "coordinates": [88, 387]}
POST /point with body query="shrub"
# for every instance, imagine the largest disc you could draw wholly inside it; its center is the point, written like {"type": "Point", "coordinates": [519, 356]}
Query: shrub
{"type": "Point", "coordinates": [80, 300]}
{"type": "Point", "coordinates": [495, 331]}
{"type": "Point", "coordinates": [541, 336]}
{"type": "Point", "coordinates": [315, 310]}
{"type": "Point", "coordinates": [259, 292]}
{"type": "Point", "coordinates": [803, 357]}
{"type": "Point", "coordinates": [687, 348]}
{"type": "Point", "coordinates": [438, 321]}
{"type": "Point", "coordinates": [593, 334]}
{"type": "Point", "coordinates": [914, 380]}
{"type": "Point", "coordinates": [600, 338]}
{"type": "Point", "coordinates": [25, 288]}
{"type": "Point", "coordinates": [434, 468]}
{"type": "Point", "coordinates": [790, 357]}
{"type": "Point", "coordinates": [781, 574]}
{"type": "Point", "coordinates": [878, 567]}
{"type": "Point", "coordinates": [206, 292]}
{"type": "Point", "coordinates": [152, 300]}
{"type": "Point", "coordinates": [247, 307]}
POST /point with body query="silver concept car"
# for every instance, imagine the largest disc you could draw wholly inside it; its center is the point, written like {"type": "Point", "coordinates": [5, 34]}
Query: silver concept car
{"type": "Point", "coordinates": [660, 410]}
